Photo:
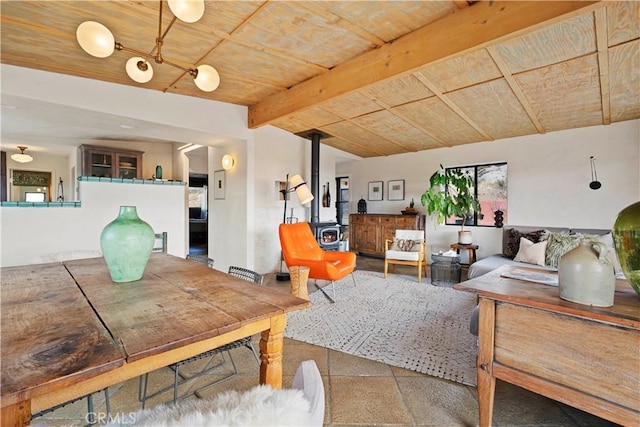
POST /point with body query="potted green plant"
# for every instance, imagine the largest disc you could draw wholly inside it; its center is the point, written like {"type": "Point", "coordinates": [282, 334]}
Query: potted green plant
{"type": "Point", "coordinates": [451, 193]}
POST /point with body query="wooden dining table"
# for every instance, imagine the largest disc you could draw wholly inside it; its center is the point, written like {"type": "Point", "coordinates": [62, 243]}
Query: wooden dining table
{"type": "Point", "coordinates": [68, 330]}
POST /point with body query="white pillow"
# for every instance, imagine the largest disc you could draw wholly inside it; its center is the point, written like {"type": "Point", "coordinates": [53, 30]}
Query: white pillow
{"type": "Point", "coordinates": [531, 253]}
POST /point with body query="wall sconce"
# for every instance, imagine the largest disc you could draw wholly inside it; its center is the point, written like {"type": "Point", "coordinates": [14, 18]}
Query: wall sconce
{"type": "Point", "coordinates": [227, 162]}
{"type": "Point", "coordinates": [21, 157]}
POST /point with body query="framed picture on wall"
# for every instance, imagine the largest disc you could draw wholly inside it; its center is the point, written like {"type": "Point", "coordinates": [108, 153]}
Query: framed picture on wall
{"type": "Point", "coordinates": [218, 185]}
{"type": "Point", "coordinates": [375, 190]}
{"type": "Point", "coordinates": [396, 190]}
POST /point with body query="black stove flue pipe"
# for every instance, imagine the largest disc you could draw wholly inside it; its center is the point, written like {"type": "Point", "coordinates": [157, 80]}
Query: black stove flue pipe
{"type": "Point", "coordinates": [315, 177]}
{"type": "Point", "coordinates": [315, 135]}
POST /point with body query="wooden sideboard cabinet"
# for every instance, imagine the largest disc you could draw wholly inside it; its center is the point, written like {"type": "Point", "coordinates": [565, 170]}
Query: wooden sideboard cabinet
{"type": "Point", "coordinates": [111, 162]}
{"type": "Point", "coordinates": [368, 232]}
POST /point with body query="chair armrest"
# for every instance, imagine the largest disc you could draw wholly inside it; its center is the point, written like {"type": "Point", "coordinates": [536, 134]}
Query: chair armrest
{"type": "Point", "coordinates": [343, 256]}
{"type": "Point", "coordinates": [314, 265]}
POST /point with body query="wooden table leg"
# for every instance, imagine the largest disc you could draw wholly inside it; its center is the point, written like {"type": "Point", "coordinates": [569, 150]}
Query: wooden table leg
{"type": "Point", "coordinates": [271, 346]}
{"type": "Point", "coordinates": [16, 415]}
{"type": "Point", "coordinates": [486, 380]}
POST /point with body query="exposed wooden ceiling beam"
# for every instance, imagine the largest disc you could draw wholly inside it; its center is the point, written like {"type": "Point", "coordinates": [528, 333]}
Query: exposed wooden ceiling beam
{"type": "Point", "coordinates": [478, 26]}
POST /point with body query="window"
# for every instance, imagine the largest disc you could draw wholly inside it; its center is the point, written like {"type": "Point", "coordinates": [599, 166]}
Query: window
{"type": "Point", "coordinates": [491, 191]}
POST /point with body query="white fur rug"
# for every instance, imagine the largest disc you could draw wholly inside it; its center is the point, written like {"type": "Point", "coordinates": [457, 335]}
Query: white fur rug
{"type": "Point", "coordinates": [260, 406]}
{"type": "Point", "coordinates": [396, 321]}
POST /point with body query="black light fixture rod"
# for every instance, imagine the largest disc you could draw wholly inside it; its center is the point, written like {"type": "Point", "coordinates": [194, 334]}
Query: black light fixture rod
{"type": "Point", "coordinates": [285, 193]}
{"type": "Point", "coordinates": [315, 176]}
{"type": "Point", "coordinates": [594, 184]}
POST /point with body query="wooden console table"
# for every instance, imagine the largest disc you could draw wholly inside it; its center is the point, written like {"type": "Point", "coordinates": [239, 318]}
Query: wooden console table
{"type": "Point", "coordinates": [587, 357]}
{"type": "Point", "coordinates": [368, 232]}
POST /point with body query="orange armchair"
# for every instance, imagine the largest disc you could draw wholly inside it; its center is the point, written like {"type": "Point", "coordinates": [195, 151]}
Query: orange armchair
{"type": "Point", "coordinates": [300, 247]}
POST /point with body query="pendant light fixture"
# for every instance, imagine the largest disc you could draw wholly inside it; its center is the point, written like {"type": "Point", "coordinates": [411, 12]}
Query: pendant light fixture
{"type": "Point", "coordinates": [594, 184]}
{"type": "Point", "coordinates": [21, 157]}
{"type": "Point", "coordinates": [97, 40]}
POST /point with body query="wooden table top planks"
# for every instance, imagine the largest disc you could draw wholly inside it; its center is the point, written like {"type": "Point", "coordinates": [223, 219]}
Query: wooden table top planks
{"type": "Point", "coordinates": [625, 311]}
{"type": "Point", "coordinates": [50, 333]}
{"type": "Point", "coordinates": [63, 323]}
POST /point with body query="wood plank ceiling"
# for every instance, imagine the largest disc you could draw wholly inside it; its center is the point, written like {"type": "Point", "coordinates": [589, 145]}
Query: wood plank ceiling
{"type": "Point", "coordinates": [381, 78]}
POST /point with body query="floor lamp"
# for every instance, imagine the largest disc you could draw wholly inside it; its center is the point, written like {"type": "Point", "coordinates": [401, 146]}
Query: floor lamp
{"type": "Point", "coordinates": [304, 195]}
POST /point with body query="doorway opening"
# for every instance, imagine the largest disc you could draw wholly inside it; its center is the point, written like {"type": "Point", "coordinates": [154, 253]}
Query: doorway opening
{"type": "Point", "coordinates": [198, 214]}
{"type": "Point", "coordinates": [30, 186]}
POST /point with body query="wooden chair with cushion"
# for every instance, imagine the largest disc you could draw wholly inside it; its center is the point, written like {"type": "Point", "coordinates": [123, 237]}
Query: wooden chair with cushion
{"type": "Point", "coordinates": [160, 242]}
{"type": "Point", "coordinates": [300, 247]}
{"type": "Point", "coordinates": [408, 247]}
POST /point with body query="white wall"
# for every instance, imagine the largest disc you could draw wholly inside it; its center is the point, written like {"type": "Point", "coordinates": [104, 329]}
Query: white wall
{"type": "Point", "coordinates": [29, 232]}
{"type": "Point", "coordinates": [198, 160]}
{"type": "Point", "coordinates": [222, 124]}
{"type": "Point", "coordinates": [278, 153]}
{"type": "Point", "coordinates": [548, 177]}
{"type": "Point", "coordinates": [157, 108]}
{"type": "Point", "coordinates": [229, 217]}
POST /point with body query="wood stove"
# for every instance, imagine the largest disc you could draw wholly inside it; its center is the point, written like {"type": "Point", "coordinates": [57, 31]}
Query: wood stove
{"type": "Point", "coordinates": [327, 234]}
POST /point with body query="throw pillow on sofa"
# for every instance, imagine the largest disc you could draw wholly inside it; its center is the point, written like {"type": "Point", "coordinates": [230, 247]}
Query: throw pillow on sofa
{"type": "Point", "coordinates": [512, 244]}
{"type": "Point", "coordinates": [531, 253]}
{"type": "Point", "coordinates": [559, 244]}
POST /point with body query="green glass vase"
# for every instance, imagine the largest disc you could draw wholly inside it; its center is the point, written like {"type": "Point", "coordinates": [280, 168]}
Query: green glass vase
{"type": "Point", "coordinates": [126, 243]}
{"type": "Point", "coordinates": [626, 238]}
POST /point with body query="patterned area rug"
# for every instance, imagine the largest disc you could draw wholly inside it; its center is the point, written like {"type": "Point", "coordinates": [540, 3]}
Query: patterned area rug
{"type": "Point", "coordinates": [396, 321]}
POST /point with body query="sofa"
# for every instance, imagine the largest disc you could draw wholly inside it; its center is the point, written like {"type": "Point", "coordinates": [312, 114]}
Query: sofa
{"type": "Point", "coordinates": [511, 245]}
{"type": "Point", "coordinates": [540, 247]}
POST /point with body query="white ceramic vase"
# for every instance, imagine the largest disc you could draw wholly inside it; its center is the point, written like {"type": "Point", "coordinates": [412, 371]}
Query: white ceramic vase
{"type": "Point", "coordinates": [464, 237]}
{"type": "Point", "coordinates": [586, 275]}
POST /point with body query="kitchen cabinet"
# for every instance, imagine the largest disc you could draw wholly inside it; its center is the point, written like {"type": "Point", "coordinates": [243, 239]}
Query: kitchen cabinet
{"type": "Point", "coordinates": [110, 162]}
{"type": "Point", "coordinates": [368, 232]}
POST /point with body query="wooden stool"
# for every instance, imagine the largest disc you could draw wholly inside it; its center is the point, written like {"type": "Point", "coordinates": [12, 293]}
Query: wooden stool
{"type": "Point", "coordinates": [299, 277]}
{"type": "Point", "coordinates": [469, 248]}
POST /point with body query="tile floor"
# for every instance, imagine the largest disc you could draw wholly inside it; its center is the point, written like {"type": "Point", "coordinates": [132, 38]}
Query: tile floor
{"type": "Point", "coordinates": [359, 392]}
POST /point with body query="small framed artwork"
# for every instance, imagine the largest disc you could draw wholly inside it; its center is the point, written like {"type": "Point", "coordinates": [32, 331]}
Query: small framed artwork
{"type": "Point", "coordinates": [396, 190]}
{"type": "Point", "coordinates": [375, 190]}
{"type": "Point", "coordinates": [218, 185]}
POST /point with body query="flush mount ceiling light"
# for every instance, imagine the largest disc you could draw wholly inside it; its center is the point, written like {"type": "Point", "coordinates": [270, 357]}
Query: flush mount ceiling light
{"type": "Point", "coordinates": [97, 40]}
{"type": "Point", "coordinates": [21, 157]}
